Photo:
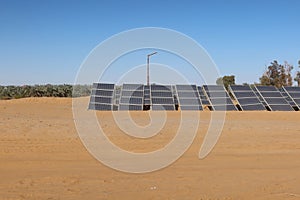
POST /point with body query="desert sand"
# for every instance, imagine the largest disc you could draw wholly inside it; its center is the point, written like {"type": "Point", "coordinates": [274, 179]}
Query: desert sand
{"type": "Point", "coordinates": [42, 157]}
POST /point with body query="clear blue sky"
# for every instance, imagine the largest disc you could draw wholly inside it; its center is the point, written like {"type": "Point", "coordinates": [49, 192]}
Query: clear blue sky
{"type": "Point", "coordinates": [46, 41]}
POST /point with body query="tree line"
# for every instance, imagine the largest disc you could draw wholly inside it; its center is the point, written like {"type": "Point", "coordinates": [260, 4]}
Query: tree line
{"type": "Point", "coordinates": [65, 90]}
{"type": "Point", "coordinates": [276, 74]}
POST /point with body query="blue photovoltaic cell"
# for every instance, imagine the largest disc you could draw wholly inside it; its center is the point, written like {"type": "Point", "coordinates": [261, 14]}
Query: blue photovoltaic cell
{"type": "Point", "coordinates": [147, 102]}
{"type": "Point", "coordinates": [292, 89]}
{"type": "Point", "coordinates": [162, 101]}
{"type": "Point", "coordinates": [217, 94]}
{"type": "Point", "coordinates": [278, 101]}
{"type": "Point", "coordinates": [240, 88]}
{"type": "Point", "coordinates": [189, 102]}
{"type": "Point", "coordinates": [131, 100]}
{"type": "Point", "coordinates": [247, 101]}
{"type": "Point", "coordinates": [93, 106]}
{"type": "Point", "coordinates": [107, 93]}
{"type": "Point", "coordinates": [133, 87]}
{"type": "Point", "coordinates": [205, 102]}
{"type": "Point", "coordinates": [271, 94]}
{"type": "Point", "coordinates": [105, 86]}
{"type": "Point", "coordinates": [194, 107]}
{"type": "Point", "coordinates": [161, 94]}
{"type": "Point", "coordinates": [192, 94]}
{"type": "Point", "coordinates": [239, 95]}
{"type": "Point", "coordinates": [213, 87]}
{"type": "Point", "coordinates": [224, 107]}
{"type": "Point", "coordinates": [254, 107]}
{"type": "Point", "coordinates": [221, 101]}
{"type": "Point", "coordinates": [266, 88]}
{"type": "Point", "coordinates": [295, 95]}
{"type": "Point", "coordinates": [186, 87]}
{"type": "Point", "coordinates": [104, 100]}
{"type": "Point", "coordinates": [297, 101]}
{"type": "Point", "coordinates": [135, 93]}
{"type": "Point", "coordinates": [160, 88]}
{"type": "Point", "coordinates": [282, 108]}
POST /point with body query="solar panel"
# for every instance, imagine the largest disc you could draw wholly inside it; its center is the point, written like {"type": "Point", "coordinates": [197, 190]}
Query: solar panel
{"type": "Point", "coordinates": [132, 93]}
{"type": "Point", "coordinates": [101, 96]}
{"type": "Point", "coordinates": [266, 88]}
{"type": "Point", "coordinates": [162, 101]}
{"type": "Point", "coordinates": [106, 93]}
{"type": "Point", "coordinates": [184, 107]}
{"type": "Point", "coordinates": [104, 86]}
{"type": "Point", "coordinates": [246, 97]}
{"type": "Point", "coordinates": [292, 95]}
{"type": "Point", "coordinates": [98, 99]}
{"type": "Point", "coordinates": [241, 88]}
{"type": "Point", "coordinates": [224, 107]}
{"type": "Point", "coordinates": [161, 94]}
{"type": "Point", "coordinates": [273, 98]}
{"type": "Point", "coordinates": [218, 97]}
{"type": "Point", "coordinates": [160, 88]}
{"type": "Point", "coordinates": [133, 87]}
{"type": "Point", "coordinates": [100, 106]}
{"type": "Point", "coordinates": [186, 87]}
{"type": "Point", "coordinates": [188, 97]}
{"type": "Point", "coordinates": [131, 100]}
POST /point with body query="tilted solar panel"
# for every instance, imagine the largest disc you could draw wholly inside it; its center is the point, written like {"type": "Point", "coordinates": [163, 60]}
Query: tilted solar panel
{"type": "Point", "coordinates": [133, 87]}
{"type": "Point", "coordinates": [246, 97]}
{"type": "Point", "coordinates": [273, 98]}
{"type": "Point", "coordinates": [104, 86]}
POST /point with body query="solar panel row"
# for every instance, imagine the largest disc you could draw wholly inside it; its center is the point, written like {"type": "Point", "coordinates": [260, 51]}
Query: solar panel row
{"type": "Point", "coordinates": [132, 96]}
{"type": "Point", "coordinates": [218, 97]}
{"type": "Point", "coordinates": [105, 96]}
{"type": "Point", "coordinates": [292, 95]}
{"type": "Point", "coordinates": [188, 97]}
{"type": "Point", "coordinates": [102, 96]}
{"type": "Point", "coordinates": [273, 98]}
{"type": "Point", "coordinates": [161, 97]}
{"type": "Point", "coordinates": [245, 97]}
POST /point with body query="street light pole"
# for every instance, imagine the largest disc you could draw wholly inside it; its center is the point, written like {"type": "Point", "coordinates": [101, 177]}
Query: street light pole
{"type": "Point", "coordinates": [148, 64]}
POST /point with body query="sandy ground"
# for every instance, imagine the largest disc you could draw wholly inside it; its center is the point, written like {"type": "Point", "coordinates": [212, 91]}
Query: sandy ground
{"type": "Point", "coordinates": [42, 157]}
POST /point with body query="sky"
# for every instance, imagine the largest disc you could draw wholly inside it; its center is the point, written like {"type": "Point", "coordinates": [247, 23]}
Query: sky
{"type": "Point", "coordinates": [47, 41]}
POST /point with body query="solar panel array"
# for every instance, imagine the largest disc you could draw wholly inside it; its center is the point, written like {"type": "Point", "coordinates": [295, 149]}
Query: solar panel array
{"type": "Point", "coordinates": [246, 98]}
{"type": "Point", "coordinates": [132, 96]}
{"type": "Point", "coordinates": [188, 97]}
{"type": "Point", "coordinates": [102, 96]}
{"type": "Point", "coordinates": [273, 98]}
{"type": "Point", "coordinates": [106, 96]}
{"type": "Point", "coordinates": [292, 95]}
{"type": "Point", "coordinates": [161, 97]}
{"type": "Point", "coordinates": [218, 97]}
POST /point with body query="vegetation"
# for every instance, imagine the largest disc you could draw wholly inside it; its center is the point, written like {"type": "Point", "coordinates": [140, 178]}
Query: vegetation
{"type": "Point", "coordinates": [15, 92]}
{"type": "Point", "coordinates": [277, 75]}
{"type": "Point", "coordinates": [297, 77]}
{"type": "Point", "coordinates": [226, 80]}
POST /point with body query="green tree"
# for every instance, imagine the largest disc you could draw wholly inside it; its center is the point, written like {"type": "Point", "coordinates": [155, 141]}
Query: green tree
{"type": "Point", "coordinates": [277, 75]}
{"type": "Point", "coordinates": [226, 81]}
{"type": "Point", "coordinates": [297, 77]}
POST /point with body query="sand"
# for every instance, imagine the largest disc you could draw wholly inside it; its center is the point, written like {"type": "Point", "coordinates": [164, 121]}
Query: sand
{"type": "Point", "coordinates": [42, 157]}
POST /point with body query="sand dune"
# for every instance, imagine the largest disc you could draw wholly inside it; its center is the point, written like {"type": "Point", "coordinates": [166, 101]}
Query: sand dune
{"type": "Point", "coordinates": [42, 157]}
